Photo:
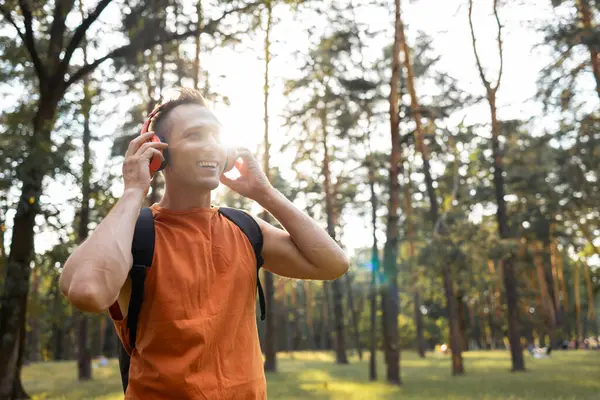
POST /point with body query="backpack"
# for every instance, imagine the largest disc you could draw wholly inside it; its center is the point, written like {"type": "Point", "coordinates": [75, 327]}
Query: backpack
{"type": "Point", "coordinates": [143, 251]}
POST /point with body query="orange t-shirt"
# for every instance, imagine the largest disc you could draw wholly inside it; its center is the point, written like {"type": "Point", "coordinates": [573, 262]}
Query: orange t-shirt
{"type": "Point", "coordinates": [197, 336]}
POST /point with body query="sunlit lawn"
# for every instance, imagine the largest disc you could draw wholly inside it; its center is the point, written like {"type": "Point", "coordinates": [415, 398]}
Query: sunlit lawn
{"type": "Point", "coordinates": [566, 375]}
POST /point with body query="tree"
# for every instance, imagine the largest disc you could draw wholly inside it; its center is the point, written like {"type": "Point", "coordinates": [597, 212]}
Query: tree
{"type": "Point", "coordinates": [270, 341]}
{"type": "Point", "coordinates": [84, 359]}
{"type": "Point", "coordinates": [453, 320]}
{"type": "Point", "coordinates": [390, 255]}
{"type": "Point", "coordinates": [510, 284]}
{"type": "Point", "coordinates": [55, 73]}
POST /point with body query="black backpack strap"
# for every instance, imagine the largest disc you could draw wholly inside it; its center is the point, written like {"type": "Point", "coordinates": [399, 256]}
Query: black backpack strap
{"type": "Point", "coordinates": [143, 252]}
{"type": "Point", "coordinates": [249, 226]}
{"type": "Point", "coordinates": [124, 362]}
{"type": "Point", "coordinates": [142, 249]}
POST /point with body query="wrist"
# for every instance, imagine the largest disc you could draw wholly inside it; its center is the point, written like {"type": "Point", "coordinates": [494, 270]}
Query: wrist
{"type": "Point", "coordinates": [267, 196]}
{"type": "Point", "coordinates": [135, 195]}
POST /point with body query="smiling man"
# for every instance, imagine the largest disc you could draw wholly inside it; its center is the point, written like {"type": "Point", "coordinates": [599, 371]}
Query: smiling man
{"type": "Point", "coordinates": [196, 335]}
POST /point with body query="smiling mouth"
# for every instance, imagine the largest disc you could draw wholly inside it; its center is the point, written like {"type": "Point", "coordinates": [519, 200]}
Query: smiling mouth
{"type": "Point", "coordinates": [207, 164]}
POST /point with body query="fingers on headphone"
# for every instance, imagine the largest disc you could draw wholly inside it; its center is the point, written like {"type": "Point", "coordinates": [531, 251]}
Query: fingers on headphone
{"type": "Point", "coordinates": [137, 142]}
{"type": "Point", "coordinates": [152, 152]}
{"type": "Point", "coordinates": [155, 145]}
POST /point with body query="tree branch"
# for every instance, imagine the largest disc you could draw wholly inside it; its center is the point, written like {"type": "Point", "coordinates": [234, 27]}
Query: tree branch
{"type": "Point", "coordinates": [81, 30]}
{"type": "Point", "coordinates": [29, 42]}
{"type": "Point", "coordinates": [140, 43]}
{"type": "Point", "coordinates": [57, 32]}
{"type": "Point", "coordinates": [500, 52]}
{"type": "Point", "coordinates": [479, 67]}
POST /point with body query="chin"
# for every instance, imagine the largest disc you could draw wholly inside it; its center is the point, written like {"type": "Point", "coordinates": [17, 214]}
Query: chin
{"type": "Point", "coordinates": [207, 183]}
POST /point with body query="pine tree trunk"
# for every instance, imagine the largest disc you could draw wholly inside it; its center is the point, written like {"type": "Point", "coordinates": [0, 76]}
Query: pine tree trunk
{"type": "Point", "coordinates": [390, 252]}
{"type": "Point", "coordinates": [33, 342]}
{"type": "Point", "coordinates": [338, 313]}
{"type": "Point", "coordinates": [591, 315]}
{"type": "Point", "coordinates": [375, 270]}
{"type": "Point", "coordinates": [509, 277]}
{"type": "Point", "coordinates": [84, 359]}
{"type": "Point", "coordinates": [414, 274]}
{"type": "Point", "coordinates": [553, 294]}
{"type": "Point", "coordinates": [354, 316]}
{"type": "Point", "coordinates": [309, 315]}
{"type": "Point", "coordinates": [563, 289]}
{"type": "Point", "coordinates": [16, 281]}
{"type": "Point", "coordinates": [270, 337]}
{"type": "Point", "coordinates": [462, 323]}
{"type": "Point", "coordinates": [284, 340]}
{"type": "Point", "coordinates": [297, 336]}
{"type": "Point", "coordinates": [586, 19]}
{"type": "Point", "coordinates": [543, 285]}
{"type": "Point", "coordinates": [510, 282]}
{"type": "Point", "coordinates": [326, 325]}
{"type": "Point", "coordinates": [576, 282]}
{"type": "Point", "coordinates": [199, 14]}
{"type": "Point", "coordinates": [455, 339]}
{"type": "Point", "coordinates": [554, 267]}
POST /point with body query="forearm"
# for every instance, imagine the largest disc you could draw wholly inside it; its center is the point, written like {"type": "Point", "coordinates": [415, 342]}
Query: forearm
{"type": "Point", "coordinates": [313, 242]}
{"type": "Point", "coordinates": [96, 271]}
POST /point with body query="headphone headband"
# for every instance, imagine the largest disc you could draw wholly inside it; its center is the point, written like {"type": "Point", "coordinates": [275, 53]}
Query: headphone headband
{"type": "Point", "coordinates": [149, 118]}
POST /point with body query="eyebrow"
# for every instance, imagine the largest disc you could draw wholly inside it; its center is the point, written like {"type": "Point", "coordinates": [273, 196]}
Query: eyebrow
{"type": "Point", "coordinates": [214, 129]}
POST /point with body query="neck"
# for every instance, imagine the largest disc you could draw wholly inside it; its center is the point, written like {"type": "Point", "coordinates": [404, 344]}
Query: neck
{"type": "Point", "coordinates": [179, 198]}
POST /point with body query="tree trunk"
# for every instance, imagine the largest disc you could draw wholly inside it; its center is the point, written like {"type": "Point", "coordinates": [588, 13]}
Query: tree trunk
{"type": "Point", "coordinates": [555, 278]}
{"type": "Point", "coordinates": [297, 336]}
{"type": "Point", "coordinates": [414, 273]}
{"type": "Point", "coordinates": [310, 333]}
{"type": "Point", "coordinates": [354, 316]}
{"type": "Point", "coordinates": [576, 282]}
{"type": "Point", "coordinates": [84, 359]}
{"type": "Point", "coordinates": [16, 282]}
{"type": "Point", "coordinates": [586, 19]}
{"type": "Point", "coordinates": [543, 284]}
{"type": "Point", "coordinates": [199, 14]}
{"type": "Point", "coordinates": [390, 252]}
{"type": "Point", "coordinates": [462, 323]}
{"type": "Point", "coordinates": [563, 284]}
{"type": "Point", "coordinates": [270, 337]}
{"type": "Point", "coordinates": [326, 340]}
{"type": "Point", "coordinates": [455, 340]}
{"type": "Point", "coordinates": [338, 314]}
{"type": "Point", "coordinates": [510, 280]}
{"type": "Point", "coordinates": [591, 315]}
{"type": "Point", "coordinates": [33, 342]}
{"type": "Point", "coordinates": [553, 294]}
{"type": "Point", "coordinates": [375, 270]}
{"type": "Point", "coordinates": [284, 339]}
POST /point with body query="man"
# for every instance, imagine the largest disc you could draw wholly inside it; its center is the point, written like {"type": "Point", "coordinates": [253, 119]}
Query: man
{"type": "Point", "coordinates": [197, 336]}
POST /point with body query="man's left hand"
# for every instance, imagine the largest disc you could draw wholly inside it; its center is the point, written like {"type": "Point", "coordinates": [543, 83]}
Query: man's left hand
{"type": "Point", "coordinates": [252, 182]}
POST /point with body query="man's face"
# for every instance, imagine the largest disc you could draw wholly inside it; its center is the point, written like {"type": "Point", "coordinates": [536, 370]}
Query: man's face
{"type": "Point", "coordinates": [196, 156]}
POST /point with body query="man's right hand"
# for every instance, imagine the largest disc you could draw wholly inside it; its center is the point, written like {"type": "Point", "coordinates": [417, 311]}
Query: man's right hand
{"type": "Point", "coordinates": [136, 167]}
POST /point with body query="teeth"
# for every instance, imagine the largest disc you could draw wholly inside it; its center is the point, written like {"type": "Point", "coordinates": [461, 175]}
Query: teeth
{"type": "Point", "coordinates": [207, 164]}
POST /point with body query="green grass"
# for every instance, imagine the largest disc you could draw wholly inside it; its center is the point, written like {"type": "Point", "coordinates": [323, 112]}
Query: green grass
{"type": "Point", "coordinates": [566, 375]}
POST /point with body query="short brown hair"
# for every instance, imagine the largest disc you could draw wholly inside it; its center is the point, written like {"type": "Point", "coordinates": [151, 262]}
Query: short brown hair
{"type": "Point", "coordinates": [183, 96]}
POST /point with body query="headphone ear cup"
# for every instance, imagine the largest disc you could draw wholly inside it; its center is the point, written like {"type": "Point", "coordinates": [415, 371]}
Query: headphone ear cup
{"type": "Point", "coordinates": [165, 153]}
{"type": "Point", "coordinates": [155, 163]}
{"type": "Point", "coordinates": [229, 160]}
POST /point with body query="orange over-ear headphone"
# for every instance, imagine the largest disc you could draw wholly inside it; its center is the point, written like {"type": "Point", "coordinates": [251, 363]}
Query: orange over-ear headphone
{"type": "Point", "coordinates": [156, 164]}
